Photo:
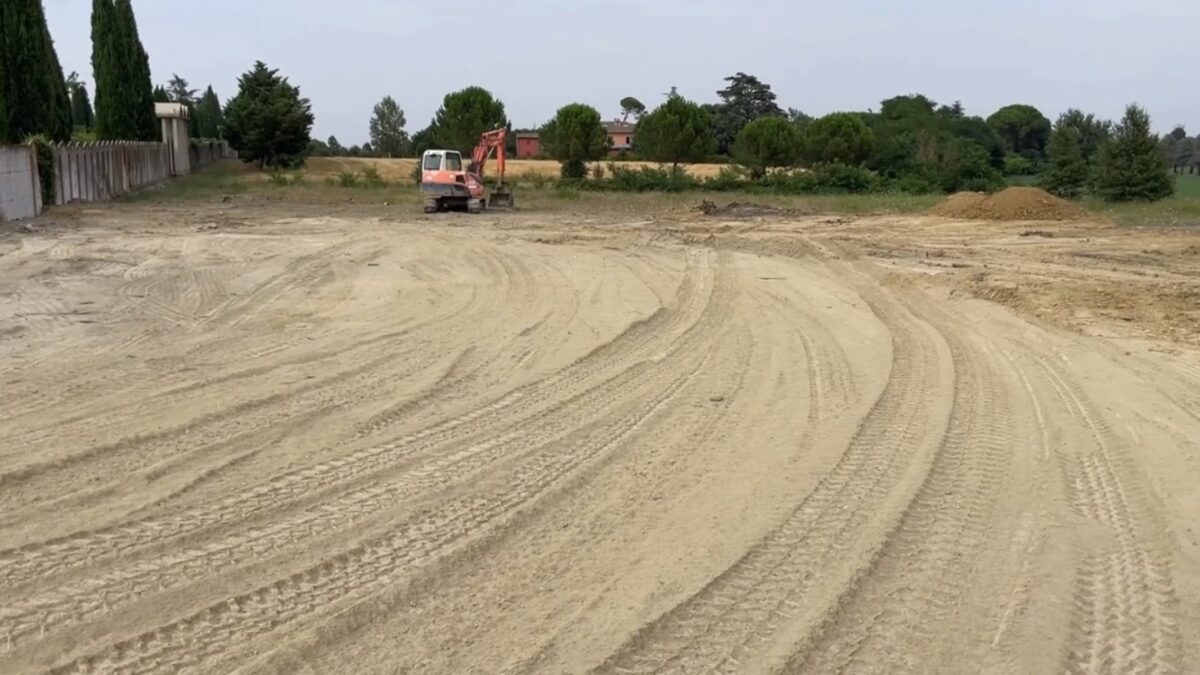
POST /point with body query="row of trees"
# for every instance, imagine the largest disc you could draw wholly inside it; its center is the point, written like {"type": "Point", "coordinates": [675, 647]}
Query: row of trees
{"type": "Point", "coordinates": [35, 98]}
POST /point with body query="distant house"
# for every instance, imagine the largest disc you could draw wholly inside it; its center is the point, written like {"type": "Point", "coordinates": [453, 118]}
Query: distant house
{"type": "Point", "coordinates": [620, 135]}
{"type": "Point", "coordinates": [528, 144]}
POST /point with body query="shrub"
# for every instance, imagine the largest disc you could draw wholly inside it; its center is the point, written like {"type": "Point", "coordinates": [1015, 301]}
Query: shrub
{"type": "Point", "coordinates": [371, 177]}
{"type": "Point", "coordinates": [789, 182]}
{"type": "Point", "coordinates": [837, 177]}
{"type": "Point", "coordinates": [767, 142]}
{"type": "Point", "coordinates": [279, 179]}
{"type": "Point", "coordinates": [347, 179]}
{"type": "Point", "coordinates": [1017, 165]}
{"type": "Point", "coordinates": [44, 153]}
{"type": "Point", "coordinates": [838, 138]}
{"type": "Point", "coordinates": [728, 179]}
{"type": "Point", "coordinates": [648, 179]}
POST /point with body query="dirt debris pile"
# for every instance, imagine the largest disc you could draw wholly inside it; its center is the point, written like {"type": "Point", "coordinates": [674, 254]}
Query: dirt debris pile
{"type": "Point", "coordinates": [747, 210]}
{"type": "Point", "coordinates": [1014, 203]}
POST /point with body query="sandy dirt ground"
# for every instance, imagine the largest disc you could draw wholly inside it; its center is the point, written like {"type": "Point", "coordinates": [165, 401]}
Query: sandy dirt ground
{"type": "Point", "coordinates": [267, 440]}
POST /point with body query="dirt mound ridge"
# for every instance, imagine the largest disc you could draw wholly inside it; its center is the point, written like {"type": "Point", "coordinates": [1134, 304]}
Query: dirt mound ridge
{"type": "Point", "coordinates": [1014, 203]}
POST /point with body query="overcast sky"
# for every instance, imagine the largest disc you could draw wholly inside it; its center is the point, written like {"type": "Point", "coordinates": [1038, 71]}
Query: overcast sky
{"type": "Point", "coordinates": [537, 55]}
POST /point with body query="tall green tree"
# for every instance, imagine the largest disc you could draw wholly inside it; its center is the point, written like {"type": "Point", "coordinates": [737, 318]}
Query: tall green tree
{"type": "Point", "coordinates": [161, 94]}
{"type": "Point", "coordinates": [744, 99]}
{"type": "Point", "coordinates": [1024, 129]}
{"type": "Point", "coordinates": [425, 139]}
{"type": "Point", "coordinates": [1131, 165]}
{"type": "Point", "coordinates": [81, 105]}
{"type": "Point", "coordinates": [466, 114]}
{"type": "Point", "coordinates": [210, 120]}
{"type": "Point", "coordinates": [1067, 171]}
{"type": "Point", "coordinates": [676, 131]}
{"type": "Point", "coordinates": [574, 137]}
{"type": "Point", "coordinates": [1092, 132]}
{"type": "Point", "coordinates": [124, 93]}
{"type": "Point", "coordinates": [388, 137]}
{"type": "Point", "coordinates": [768, 142]}
{"type": "Point", "coordinates": [33, 92]}
{"type": "Point", "coordinates": [268, 121]}
{"type": "Point", "coordinates": [336, 149]}
{"type": "Point", "coordinates": [180, 91]}
{"type": "Point", "coordinates": [141, 90]}
{"type": "Point", "coordinates": [841, 138]}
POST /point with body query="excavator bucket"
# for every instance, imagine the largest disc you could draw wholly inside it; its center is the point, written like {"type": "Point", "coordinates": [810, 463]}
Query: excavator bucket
{"type": "Point", "coordinates": [501, 198]}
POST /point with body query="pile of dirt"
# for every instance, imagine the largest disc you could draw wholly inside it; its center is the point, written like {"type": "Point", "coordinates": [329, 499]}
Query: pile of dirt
{"type": "Point", "coordinates": [747, 210]}
{"type": "Point", "coordinates": [1015, 203]}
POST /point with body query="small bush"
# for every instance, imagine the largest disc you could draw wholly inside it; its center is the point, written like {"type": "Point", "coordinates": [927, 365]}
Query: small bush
{"type": "Point", "coordinates": [279, 179]}
{"type": "Point", "coordinates": [347, 179]}
{"type": "Point", "coordinates": [371, 177]}
{"type": "Point", "coordinates": [728, 179]}
{"type": "Point", "coordinates": [44, 153]}
{"type": "Point", "coordinates": [648, 179]}
{"type": "Point", "coordinates": [844, 178]}
{"type": "Point", "coordinates": [789, 182]}
{"type": "Point", "coordinates": [1016, 165]}
{"type": "Point", "coordinates": [573, 169]}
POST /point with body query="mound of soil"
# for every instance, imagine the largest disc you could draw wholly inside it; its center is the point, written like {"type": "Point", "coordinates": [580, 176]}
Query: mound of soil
{"type": "Point", "coordinates": [1015, 203]}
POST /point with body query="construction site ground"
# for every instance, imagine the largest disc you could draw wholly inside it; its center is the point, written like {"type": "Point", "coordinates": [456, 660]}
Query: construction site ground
{"type": "Point", "coordinates": [282, 438]}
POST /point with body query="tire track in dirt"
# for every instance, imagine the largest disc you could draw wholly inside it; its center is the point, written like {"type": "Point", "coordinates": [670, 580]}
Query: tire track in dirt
{"type": "Point", "coordinates": [383, 562]}
{"type": "Point", "coordinates": [638, 341]}
{"type": "Point", "coordinates": [907, 597]}
{"type": "Point", "coordinates": [1125, 605]}
{"type": "Point", "coordinates": [449, 466]}
{"type": "Point", "coordinates": [744, 606]}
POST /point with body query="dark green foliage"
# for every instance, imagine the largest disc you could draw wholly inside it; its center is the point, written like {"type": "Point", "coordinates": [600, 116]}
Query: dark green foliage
{"type": "Point", "coordinates": [649, 179]}
{"type": "Point", "coordinates": [141, 91]}
{"type": "Point", "coordinates": [574, 137]}
{"type": "Point", "coordinates": [318, 148]}
{"type": "Point", "coordinates": [387, 129]}
{"type": "Point", "coordinates": [676, 131]}
{"type": "Point", "coordinates": [838, 138]}
{"type": "Point", "coordinates": [161, 95]}
{"type": "Point", "coordinates": [766, 143]}
{"type": "Point", "coordinates": [81, 107]}
{"type": "Point", "coordinates": [181, 92]}
{"type": "Point", "coordinates": [907, 108]}
{"type": "Point", "coordinates": [1093, 132]}
{"type": "Point", "coordinates": [1024, 129]}
{"type": "Point", "coordinates": [630, 106]}
{"type": "Point", "coordinates": [210, 119]}
{"type": "Point", "coordinates": [33, 93]}
{"type": "Point", "coordinates": [743, 100]}
{"type": "Point", "coordinates": [1067, 171]}
{"type": "Point", "coordinates": [464, 115]}
{"type": "Point", "coordinates": [335, 148]}
{"type": "Point", "coordinates": [799, 118]}
{"type": "Point", "coordinates": [1016, 165]}
{"type": "Point", "coordinates": [268, 121]}
{"type": "Point", "coordinates": [1131, 165]}
{"type": "Point", "coordinates": [44, 154]}
{"type": "Point", "coordinates": [425, 139]}
{"type": "Point", "coordinates": [124, 95]}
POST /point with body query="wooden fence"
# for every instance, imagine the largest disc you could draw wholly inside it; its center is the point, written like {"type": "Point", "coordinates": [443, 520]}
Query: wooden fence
{"type": "Point", "coordinates": [102, 170]}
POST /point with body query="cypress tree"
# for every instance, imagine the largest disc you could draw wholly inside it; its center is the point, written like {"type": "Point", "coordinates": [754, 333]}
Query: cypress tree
{"type": "Point", "coordinates": [107, 66]}
{"type": "Point", "coordinates": [1067, 171]}
{"type": "Point", "coordinates": [141, 90]}
{"type": "Point", "coordinates": [209, 118]}
{"type": "Point", "coordinates": [124, 93]}
{"type": "Point", "coordinates": [33, 93]}
{"type": "Point", "coordinates": [81, 107]}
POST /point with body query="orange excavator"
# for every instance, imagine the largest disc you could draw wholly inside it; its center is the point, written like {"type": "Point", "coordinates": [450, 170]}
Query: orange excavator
{"type": "Point", "coordinates": [447, 185]}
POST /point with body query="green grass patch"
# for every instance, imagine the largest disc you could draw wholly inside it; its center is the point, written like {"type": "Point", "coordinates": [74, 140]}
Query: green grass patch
{"type": "Point", "coordinates": [226, 177]}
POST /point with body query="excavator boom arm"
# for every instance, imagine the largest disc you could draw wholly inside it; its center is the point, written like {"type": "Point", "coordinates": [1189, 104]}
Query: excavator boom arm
{"type": "Point", "coordinates": [489, 141]}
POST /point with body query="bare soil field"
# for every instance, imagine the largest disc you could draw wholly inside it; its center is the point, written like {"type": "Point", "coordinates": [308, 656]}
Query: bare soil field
{"type": "Point", "coordinates": [263, 437]}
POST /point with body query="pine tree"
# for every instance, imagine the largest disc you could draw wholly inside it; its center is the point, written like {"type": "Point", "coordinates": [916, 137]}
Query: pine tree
{"type": "Point", "coordinates": [1067, 172]}
{"type": "Point", "coordinates": [161, 95]}
{"type": "Point", "coordinates": [33, 93]}
{"type": "Point", "coordinates": [1131, 165]}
